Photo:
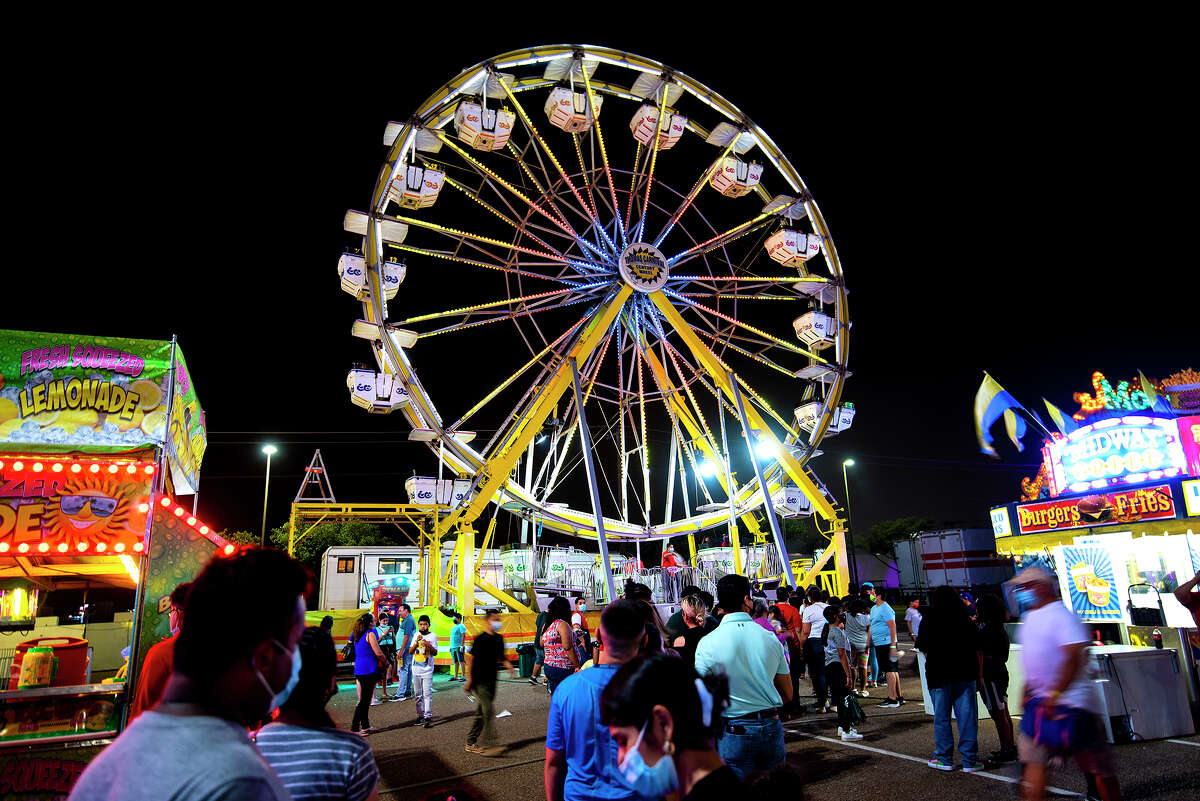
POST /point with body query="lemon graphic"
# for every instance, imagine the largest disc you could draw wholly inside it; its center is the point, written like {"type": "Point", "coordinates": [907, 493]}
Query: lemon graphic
{"type": "Point", "coordinates": [150, 394]}
{"type": "Point", "coordinates": [8, 410]}
{"type": "Point", "coordinates": [125, 425]}
{"type": "Point", "coordinates": [45, 418]}
{"type": "Point", "coordinates": [9, 426]}
{"type": "Point", "coordinates": [73, 418]}
{"type": "Point", "coordinates": [155, 423]}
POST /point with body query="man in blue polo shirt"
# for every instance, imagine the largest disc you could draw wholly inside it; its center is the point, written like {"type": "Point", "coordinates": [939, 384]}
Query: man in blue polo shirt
{"type": "Point", "coordinates": [581, 757]}
{"type": "Point", "coordinates": [759, 681]}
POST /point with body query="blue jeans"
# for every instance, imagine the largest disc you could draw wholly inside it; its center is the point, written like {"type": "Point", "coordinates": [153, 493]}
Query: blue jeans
{"type": "Point", "coordinates": [404, 685]}
{"type": "Point", "coordinates": [961, 696]}
{"type": "Point", "coordinates": [555, 675]}
{"type": "Point", "coordinates": [873, 672]}
{"type": "Point", "coordinates": [752, 745]}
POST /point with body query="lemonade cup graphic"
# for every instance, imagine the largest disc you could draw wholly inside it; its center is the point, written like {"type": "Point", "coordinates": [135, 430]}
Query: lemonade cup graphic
{"type": "Point", "coordinates": [1080, 574]}
{"type": "Point", "coordinates": [1097, 591]}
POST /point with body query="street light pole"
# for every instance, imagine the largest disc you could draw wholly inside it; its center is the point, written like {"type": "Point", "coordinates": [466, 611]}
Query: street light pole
{"type": "Point", "coordinates": [268, 450]}
{"type": "Point", "coordinates": [849, 528]}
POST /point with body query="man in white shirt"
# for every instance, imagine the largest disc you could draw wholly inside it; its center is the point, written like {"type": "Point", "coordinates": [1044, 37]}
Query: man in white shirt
{"type": "Point", "coordinates": [1059, 690]}
{"type": "Point", "coordinates": [812, 624]}
{"type": "Point", "coordinates": [759, 682]}
{"type": "Point", "coordinates": [423, 649]}
{"type": "Point", "coordinates": [231, 671]}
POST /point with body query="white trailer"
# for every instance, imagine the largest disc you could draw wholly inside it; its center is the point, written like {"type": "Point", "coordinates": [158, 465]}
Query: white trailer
{"type": "Point", "coordinates": [960, 557]}
{"type": "Point", "coordinates": [348, 573]}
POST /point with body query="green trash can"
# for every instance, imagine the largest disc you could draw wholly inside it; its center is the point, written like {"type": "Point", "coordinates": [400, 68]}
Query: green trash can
{"type": "Point", "coordinates": [525, 659]}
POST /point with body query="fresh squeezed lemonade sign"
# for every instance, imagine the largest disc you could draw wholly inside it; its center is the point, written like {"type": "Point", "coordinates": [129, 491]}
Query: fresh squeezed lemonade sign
{"type": "Point", "coordinates": [61, 393]}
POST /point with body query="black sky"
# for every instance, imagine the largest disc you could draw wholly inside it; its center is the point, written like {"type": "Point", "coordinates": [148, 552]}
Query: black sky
{"type": "Point", "coordinates": [1008, 200]}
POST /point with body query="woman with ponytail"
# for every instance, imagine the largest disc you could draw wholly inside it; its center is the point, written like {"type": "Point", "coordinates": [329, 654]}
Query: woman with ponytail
{"type": "Point", "coordinates": [665, 720]}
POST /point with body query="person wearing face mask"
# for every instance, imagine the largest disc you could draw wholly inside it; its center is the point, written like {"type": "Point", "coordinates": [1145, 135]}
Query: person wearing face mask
{"type": "Point", "coordinates": [664, 719]}
{"type": "Point", "coordinates": [759, 681]}
{"type": "Point", "coordinates": [1062, 700]}
{"type": "Point", "coordinates": [156, 669]}
{"type": "Point", "coordinates": [838, 673]}
{"type": "Point", "coordinates": [487, 652]}
{"type": "Point", "coordinates": [225, 680]}
{"type": "Point", "coordinates": [312, 756]}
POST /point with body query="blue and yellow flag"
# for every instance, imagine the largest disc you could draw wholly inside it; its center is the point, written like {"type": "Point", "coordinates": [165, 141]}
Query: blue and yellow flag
{"type": "Point", "coordinates": [1065, 423]}
{"type": "Point", "coordinates": [991, 402]}
{"type": "Point", "coordinates": [1157, 403]}
{"type": "Point", "coordinates": [1015, 426]}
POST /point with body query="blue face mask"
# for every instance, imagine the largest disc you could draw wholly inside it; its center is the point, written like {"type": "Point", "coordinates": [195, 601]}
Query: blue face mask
{"type": "Point", "coordinates": [1026, 599]}
{"type": "Point", "coordinates": [280, 698]}
{"type": "Point", "coordinates": [651, 781]}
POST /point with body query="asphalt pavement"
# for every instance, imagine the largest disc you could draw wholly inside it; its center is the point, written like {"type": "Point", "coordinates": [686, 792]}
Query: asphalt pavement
{"type": "Point", "coordinates": [417, 763]}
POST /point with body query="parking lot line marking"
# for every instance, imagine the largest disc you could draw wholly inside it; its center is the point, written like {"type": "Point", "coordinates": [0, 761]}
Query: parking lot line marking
{"type": "Point", "coordinates": [456, 777]}
{"type": "Point", "coordinates": [1185, 742]}
{"type": "Point", "coordinates": [910, 758]}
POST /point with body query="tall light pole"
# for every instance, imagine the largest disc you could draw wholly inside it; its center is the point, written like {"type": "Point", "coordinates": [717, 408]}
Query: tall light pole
{"type": "Point", "coordinates": [849, 529]}
{"type": "Point", "coordinates": [268, 450]}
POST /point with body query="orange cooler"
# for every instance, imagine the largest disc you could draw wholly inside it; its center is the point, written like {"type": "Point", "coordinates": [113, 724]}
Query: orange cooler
{"type": "Point", "coordinates": [72, 656]}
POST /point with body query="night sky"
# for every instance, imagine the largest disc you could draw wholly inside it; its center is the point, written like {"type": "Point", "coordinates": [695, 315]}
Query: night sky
{"type": "Point", "coordinates": [1004, 204]}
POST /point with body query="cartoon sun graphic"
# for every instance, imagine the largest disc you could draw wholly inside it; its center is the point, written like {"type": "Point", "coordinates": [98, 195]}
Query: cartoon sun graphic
{"type": "Point", "coordinates": [90, 508]}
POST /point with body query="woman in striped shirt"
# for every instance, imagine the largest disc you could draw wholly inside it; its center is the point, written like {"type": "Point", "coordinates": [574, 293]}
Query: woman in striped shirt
{"type": "Point", "coordinates": [311, 756]}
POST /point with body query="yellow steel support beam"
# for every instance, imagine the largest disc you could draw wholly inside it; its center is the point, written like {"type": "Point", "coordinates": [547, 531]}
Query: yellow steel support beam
{"type": "Point", "coordinates": [672, 396]}
{"type": "Point", "coordinates": [502, 596]}
{"type": "Point", "coordinates": [466, 569]}
{"type": "Point", "coordinates": [500, 465]}
{"type": "Point", "coordinates": [720, 377]}
{"type": "Point", "coordinates": [841, 571]}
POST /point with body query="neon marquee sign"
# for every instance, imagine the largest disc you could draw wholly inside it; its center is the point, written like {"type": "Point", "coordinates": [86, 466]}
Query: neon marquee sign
{"type": "Point", "coordinates": [1109, 399]}
{"type": "Point", "coordinates": [1119, 450]}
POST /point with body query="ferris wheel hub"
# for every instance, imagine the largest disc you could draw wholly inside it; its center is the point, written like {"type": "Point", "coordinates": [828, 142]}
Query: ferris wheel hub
{"type": "Point", "coordinates": [644, 267]}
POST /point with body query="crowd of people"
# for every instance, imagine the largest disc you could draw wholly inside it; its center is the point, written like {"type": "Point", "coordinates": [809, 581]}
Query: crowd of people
{"type": "Point", "coordinates": [687, 709]}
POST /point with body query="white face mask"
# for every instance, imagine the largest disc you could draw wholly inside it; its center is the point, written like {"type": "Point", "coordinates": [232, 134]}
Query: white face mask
{"type": "Point", "coordinates": [497, 625]}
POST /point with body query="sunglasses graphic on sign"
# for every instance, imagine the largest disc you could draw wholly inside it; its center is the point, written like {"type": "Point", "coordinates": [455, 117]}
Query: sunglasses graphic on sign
{"type": "Point", "coordinates": [100, 506]}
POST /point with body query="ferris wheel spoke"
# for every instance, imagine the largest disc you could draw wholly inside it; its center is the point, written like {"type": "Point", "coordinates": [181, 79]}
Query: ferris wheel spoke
{"type": "Point", "coordinates": [720, 240]}
{"type": "Point", "coordinates": [654, 148]}
{"type": "Point", "coordinates": [720, 377]}
{"type": "Point", "coordinates": [599, 134]}
{"type": "Point", "coordinates": [506, 383]}
{"type": "Point", "coordinates": [583, 174]}
{"type": "Point", "coordinates": [505, 218]}
{"type": "Point", "coordinates": [549, 196]}
{"type": "Point", "coordinates": [533, 131]}
{"type": "Point", "coordinates": [758, 358]}
{"type": "Point", "coordinates": [691, 196]}
{"type": "Point", "coordinates": [449, 256]}
{"type": "Point", "coordinates": [517, 192]}
{"type": "Point", "coordinates": [776, 340]}
{"type": "Point", "coordinates": [420, 318]}
{"type": "Point", "coordinates": [509, 316]}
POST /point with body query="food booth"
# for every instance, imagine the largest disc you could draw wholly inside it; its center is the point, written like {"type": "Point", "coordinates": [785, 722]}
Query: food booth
{"type": "Point", "coordinates": [1114, 514]}
{"type": "Point", "coordinates": [97, 435]}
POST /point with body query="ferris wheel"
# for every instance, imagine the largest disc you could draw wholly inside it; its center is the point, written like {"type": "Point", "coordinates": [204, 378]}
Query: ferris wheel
{"type": "Point", "coordinates": [605, 298]}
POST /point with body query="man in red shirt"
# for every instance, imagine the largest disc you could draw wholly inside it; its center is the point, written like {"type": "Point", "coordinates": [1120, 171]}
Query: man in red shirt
{"type": "Point", "coordinates": [792, 624]}
{"type": "Point", "coordinates": [160, 659]}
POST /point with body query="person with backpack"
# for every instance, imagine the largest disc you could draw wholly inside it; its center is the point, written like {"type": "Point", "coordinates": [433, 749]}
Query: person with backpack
{"type": "Point", "coordinates": [838, 673]}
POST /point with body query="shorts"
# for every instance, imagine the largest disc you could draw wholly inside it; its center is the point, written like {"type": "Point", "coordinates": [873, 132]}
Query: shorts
{"type": "Point", "coordinates": [389, 651]}
{"type": "Point", "coordinates": [1089, 749]}
{"type": "Point", "coordinates": [886, 663]}
{"type": "Point", "coordinates": [540, 654]}
{"type": "Point", "coordinates": [995, 695]}
{"type": "Point", "coordinates": [859, 656]}
{"type": "Point", "coordinates": [458, 656]}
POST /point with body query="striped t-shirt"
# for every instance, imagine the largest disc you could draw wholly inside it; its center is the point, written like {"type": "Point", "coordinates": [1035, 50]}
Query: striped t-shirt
{"type": "Point", "coordinates": [319, 763]}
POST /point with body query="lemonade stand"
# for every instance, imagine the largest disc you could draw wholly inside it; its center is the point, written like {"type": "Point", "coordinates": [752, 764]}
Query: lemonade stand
{"type": "Point", "coordinates": [97, 436]}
